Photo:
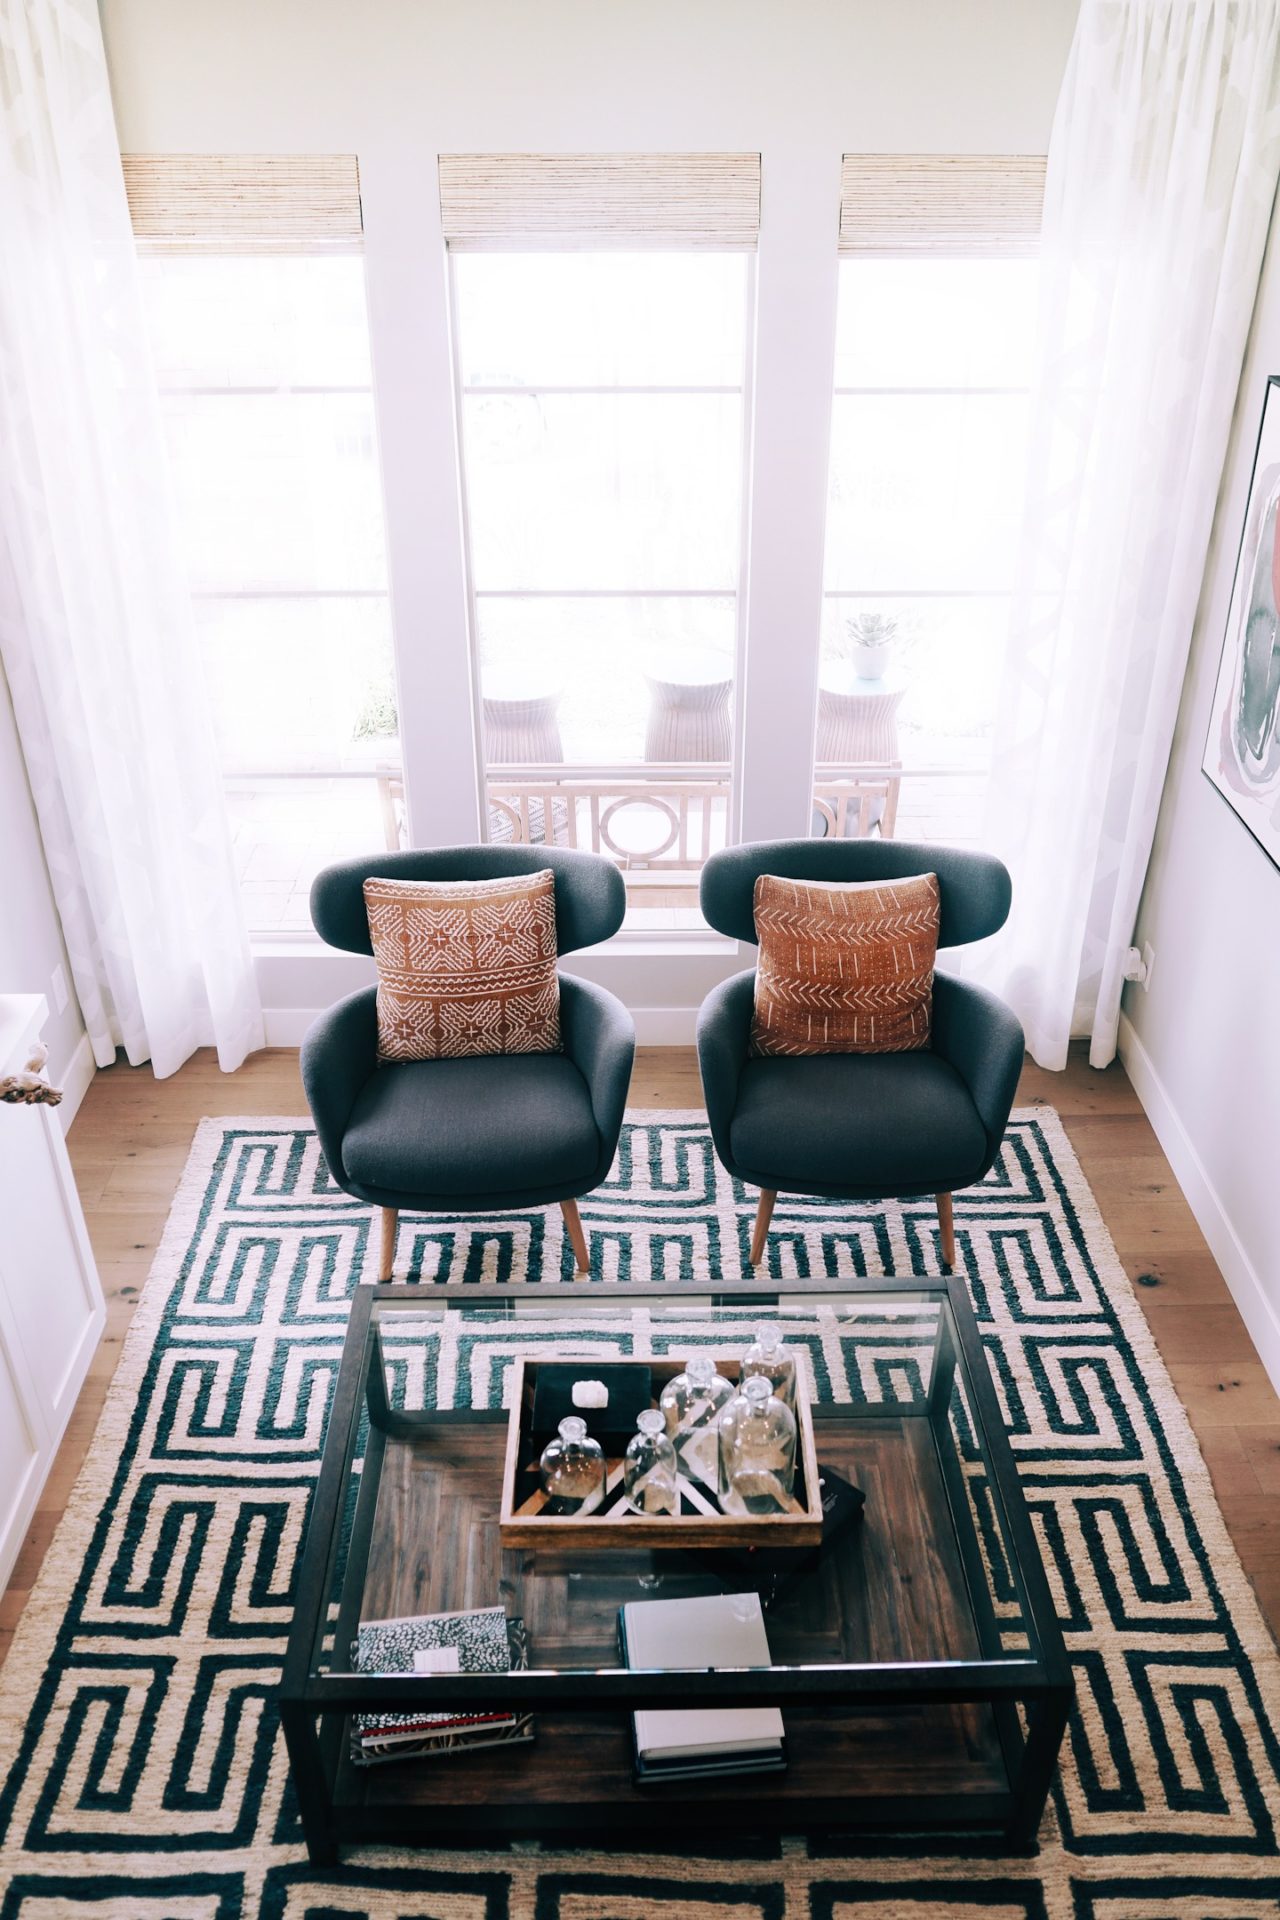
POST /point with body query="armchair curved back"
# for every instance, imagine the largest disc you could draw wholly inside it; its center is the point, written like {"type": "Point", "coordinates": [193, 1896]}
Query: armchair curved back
{"type": "Point", "coordinates": [591, 897]}
{"type": "Point", "coordinates": [974, 889]}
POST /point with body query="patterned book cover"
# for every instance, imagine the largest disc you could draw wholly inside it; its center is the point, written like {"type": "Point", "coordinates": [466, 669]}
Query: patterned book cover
{"type": "Point", "coordinates": [372, 1753]}
{"type": "Point", "coordinates": [485, 1642]}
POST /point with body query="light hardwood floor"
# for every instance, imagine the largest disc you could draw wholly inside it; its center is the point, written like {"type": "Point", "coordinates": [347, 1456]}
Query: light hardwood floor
{"type": "Point", "coordinates": [130, 1140]}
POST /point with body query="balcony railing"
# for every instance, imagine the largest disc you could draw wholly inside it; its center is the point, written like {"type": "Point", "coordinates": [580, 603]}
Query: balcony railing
{"type": "Point", "coordinates": [650, 819]}
{"type": "Point", "coordinates": [659, 822]}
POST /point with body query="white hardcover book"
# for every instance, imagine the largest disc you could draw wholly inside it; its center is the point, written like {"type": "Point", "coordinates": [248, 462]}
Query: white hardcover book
{"type": "Point", "coordinates": [719, 1630]}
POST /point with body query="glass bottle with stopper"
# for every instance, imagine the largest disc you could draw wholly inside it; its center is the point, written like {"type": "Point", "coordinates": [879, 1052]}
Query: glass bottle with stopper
{"type": "Point", "coordinates": [775, 1363]}
{"type": "Point", "coordinates": [649, 1466]}
{"type": "Point", "coordinates": [691, 1403]}
{"type": "Point", "coordinates": [757, 1434]}
{"type": "Point", "coordinates": [572, 1468]}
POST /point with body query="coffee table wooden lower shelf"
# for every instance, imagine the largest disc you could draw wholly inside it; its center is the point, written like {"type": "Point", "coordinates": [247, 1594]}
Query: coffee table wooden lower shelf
{"type": "Point", "coordinates": [919, 1769]}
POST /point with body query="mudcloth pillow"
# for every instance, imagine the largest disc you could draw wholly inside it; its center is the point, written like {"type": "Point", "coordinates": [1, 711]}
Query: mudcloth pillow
{"type": "Point", "coordinates": [844, 967]}
{"type": "Point", "coordinates": [465, 966]}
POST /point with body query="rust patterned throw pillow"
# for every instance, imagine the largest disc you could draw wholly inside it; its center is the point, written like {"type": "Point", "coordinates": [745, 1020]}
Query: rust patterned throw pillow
{"type": "Point", "coordinates": [465, 966]}
{"type": "Point", "coordinates": [844, 967]}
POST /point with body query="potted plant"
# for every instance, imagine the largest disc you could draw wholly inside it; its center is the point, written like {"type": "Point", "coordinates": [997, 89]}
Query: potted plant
{"type": "Point", "coordinates": [870, 641]}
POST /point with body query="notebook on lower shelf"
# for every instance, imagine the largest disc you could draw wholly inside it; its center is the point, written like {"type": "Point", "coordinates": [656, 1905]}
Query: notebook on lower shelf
{"type": "Point", "coordinates": [478, 1640]}
{"type": "Point", "coordinates": [717, 1630]}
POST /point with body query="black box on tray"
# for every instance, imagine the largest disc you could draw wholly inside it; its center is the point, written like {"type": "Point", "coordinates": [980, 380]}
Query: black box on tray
{"type": "Point", "coordinates": [774, 1571]}
{"type": "Point", "coordinates": [628, 1384]}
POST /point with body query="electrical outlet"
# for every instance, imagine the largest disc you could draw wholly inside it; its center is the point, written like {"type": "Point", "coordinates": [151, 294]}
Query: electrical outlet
{"type": "Point", "coordinates": [1148, 966]}
{"type": "Point", "coordinates": [61, 991]}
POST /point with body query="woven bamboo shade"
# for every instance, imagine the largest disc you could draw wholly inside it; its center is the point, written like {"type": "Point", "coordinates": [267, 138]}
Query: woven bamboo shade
{"type": "Point", "coordinates": [985, 205]}
{"type": "Point", "coordinates": [599, 200]}
{"type": "Point", "coordinates": [244, 203]}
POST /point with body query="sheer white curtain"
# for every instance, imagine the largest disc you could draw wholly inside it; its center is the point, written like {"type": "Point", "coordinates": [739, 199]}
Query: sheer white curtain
{"type": "Point", "coordinates": [1162, 172]}
{"type": "Point", "coordinates": [95, 618]}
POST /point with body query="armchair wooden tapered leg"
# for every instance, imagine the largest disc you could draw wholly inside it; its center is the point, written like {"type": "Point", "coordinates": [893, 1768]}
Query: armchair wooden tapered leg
{"type": "Point", "coordinates": [760, 1233]}
{"type": "Point", "coordinates": [947, 1231]}
{"type": "Point", "coordinates": [577, 1238]}
{"type": "Point", "coordinates": [390, 1219]}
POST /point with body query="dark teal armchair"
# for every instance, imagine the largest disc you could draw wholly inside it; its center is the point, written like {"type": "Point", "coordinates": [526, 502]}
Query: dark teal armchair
{"type": "Point", "coordinates": [498, 1133]}
{"type": "Point", "coordinates": [875, 1126]}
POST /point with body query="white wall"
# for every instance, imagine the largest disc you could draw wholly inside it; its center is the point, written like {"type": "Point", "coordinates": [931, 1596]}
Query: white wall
{"type": "Point", "coordinates": [30, 933]}
{"type": "Point", "coordinates": [398, 82]}
{"type": "Point", "coordinates": [421, 76]}
{"type": "Point", "coordinates": [1203, 1044]}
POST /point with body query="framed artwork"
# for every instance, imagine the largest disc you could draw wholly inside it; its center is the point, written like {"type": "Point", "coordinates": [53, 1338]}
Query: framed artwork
{"type": "Point", "coordinates": [1242, 752]}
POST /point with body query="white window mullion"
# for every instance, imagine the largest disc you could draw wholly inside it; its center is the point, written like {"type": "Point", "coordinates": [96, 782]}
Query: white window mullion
{"type": "Point", "coordinates": [417, 432]}
{"type": "Point", "coordinates": [791, 417]}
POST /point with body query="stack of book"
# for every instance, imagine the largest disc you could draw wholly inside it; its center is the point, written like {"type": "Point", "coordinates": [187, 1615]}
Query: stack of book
{"type": "Point", "coordinates": [720, 1630]}
{"type": "Point", "coordinates": [481, 1640]}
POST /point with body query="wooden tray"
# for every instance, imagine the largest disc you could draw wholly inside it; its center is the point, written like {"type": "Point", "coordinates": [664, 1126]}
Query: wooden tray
{"type": "Point", "coordinates": [521, 1522]}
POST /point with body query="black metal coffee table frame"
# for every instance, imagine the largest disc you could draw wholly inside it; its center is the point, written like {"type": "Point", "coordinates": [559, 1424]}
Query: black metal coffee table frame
{"type": "Point", "coordinates": [561, 1788]}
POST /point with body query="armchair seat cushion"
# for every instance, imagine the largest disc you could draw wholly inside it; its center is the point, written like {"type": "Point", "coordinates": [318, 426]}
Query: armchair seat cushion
{"type": "Point", "coordinates": [883, 1123]}
{"type": "Point", "coordinates": [502, 1123]}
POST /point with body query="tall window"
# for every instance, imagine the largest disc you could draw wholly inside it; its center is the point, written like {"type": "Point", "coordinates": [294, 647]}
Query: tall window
{"type": "Point", "coordinates": [935, 330]}
{"type": "Point", "coordinates": [261, 344]}
{"type": "Point", "coordinates": [602, 383]}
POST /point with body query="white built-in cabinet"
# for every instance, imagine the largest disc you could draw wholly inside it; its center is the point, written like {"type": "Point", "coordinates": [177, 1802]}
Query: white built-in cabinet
{"type": "Point", "coordinates": [51, 1307]}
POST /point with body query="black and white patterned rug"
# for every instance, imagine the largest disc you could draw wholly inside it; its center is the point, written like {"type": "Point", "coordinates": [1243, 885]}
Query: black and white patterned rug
{"type": "Point", "coordinates": [144, 1775]}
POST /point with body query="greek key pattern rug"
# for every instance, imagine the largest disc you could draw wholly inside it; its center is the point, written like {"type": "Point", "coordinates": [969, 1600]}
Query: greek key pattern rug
{"type": "Point", "coordinates": [144, 1776]}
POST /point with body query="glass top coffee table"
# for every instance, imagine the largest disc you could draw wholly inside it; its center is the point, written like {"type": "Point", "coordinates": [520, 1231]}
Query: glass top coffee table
{"type": "Point", "coordinates": [902, 1650]}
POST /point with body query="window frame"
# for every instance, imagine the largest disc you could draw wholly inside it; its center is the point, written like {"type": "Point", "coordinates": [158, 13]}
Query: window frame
{"type": "Point", "coordinates": [701, 938]}
{"type": "Point", "coordinates": [251, 777]}
{"type": "Point", "coordinates": [849, 264]}
{"type": "Point", "coordinates": [787, 400]}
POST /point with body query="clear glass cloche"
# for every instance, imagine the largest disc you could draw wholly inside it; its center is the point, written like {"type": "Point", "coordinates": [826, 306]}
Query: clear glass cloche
{"type": "Point", "coordinates": [649, 1467]}
{"type": "Point", "coordinates": [757, 1436]}
{"type": "Point", "coordinates": [691, 1404]}
{"type": "Point", "coordinates": [572, 1467]}
{"type": "Point", "coordinates": [777, 1364]}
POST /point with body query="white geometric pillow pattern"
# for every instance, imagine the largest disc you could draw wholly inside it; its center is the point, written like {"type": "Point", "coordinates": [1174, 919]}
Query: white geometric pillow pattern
{"type": "Point", "coordinates": [465, 967]}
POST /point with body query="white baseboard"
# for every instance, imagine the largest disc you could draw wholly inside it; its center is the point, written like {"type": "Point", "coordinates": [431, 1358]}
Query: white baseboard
{"type": "Point", "coordinates": [665, 1026]}
{"type": "Point", "coordinates": [655, 1026]}
{"type": "Point", "coordinates": [75, 1078]}
{"type": "Point", "coordinates": [1258, 1312]}
{"type": "Point", "coordinates": [285, 1026]}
